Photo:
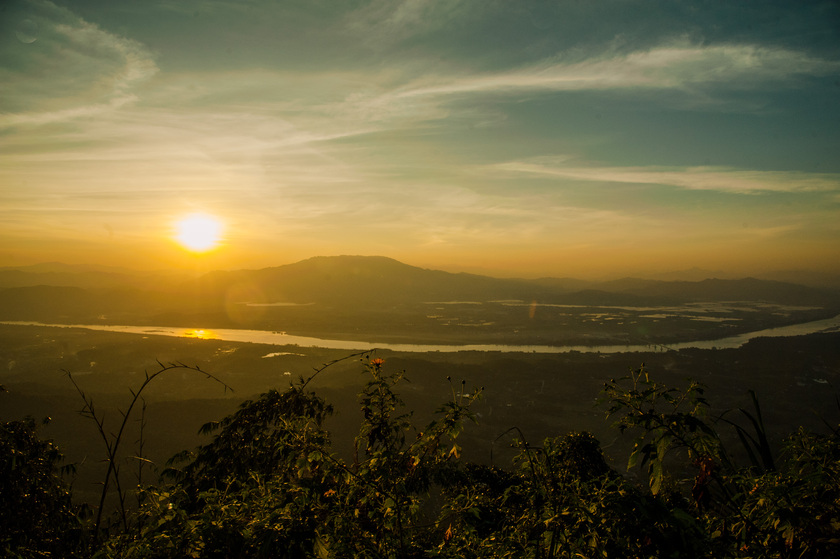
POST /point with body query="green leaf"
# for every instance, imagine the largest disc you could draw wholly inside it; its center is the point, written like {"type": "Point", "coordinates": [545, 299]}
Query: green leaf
{"type": "Point", "coordinates": [634, 456]}
{"type": "Point", "coordinates": [655, 477]}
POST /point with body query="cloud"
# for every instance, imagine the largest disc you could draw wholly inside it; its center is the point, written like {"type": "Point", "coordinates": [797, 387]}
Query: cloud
{"type": "Point", "coordinates": [74, 69]}
{"type": "Point", "coordinates": [721, 179]}
{"type": "Point", "coordinates": [699, 76]}
{"type": "Point", "coordinates": [677, 66]}
{"type": "Point", "coordinates": [385, 22]}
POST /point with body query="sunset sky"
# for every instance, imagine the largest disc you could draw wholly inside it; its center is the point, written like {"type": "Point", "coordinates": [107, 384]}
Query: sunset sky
{"type": "Point", "coordinates": [507, 137]}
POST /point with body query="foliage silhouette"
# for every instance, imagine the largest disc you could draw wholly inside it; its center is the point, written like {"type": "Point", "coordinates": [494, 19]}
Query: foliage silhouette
{"type": "Point", "coordinates": [111, 441]}
{"type": "Point", "coordinates": [269, 484]}
{"type": "Point", "coordinates": [37, 518]}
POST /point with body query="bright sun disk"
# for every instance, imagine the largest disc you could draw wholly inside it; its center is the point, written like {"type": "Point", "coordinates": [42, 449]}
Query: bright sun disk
{"type": "Point", "coordinates": [198, 232]}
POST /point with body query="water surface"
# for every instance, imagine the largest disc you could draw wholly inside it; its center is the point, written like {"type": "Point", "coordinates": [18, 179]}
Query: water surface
{"type": "Point", "coordinates": [284, 339]}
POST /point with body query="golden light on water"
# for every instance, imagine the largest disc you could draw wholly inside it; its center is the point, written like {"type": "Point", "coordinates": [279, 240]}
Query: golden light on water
{"type": "Point", "coordinates": [198, 232]}
{"type": "Point", "coordinates": [199, 333]}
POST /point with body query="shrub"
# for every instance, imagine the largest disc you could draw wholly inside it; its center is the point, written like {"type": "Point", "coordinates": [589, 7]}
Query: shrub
{"type": "Point", "coordinates": [37, 518]}
{"type": "Point", "coordinates": [269, 485]}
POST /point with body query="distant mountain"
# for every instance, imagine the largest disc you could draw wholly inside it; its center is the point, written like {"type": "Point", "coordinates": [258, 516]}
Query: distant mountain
{"type": "Point", "coordinates": [58, 274]}
{"type": "Point", "coordinates": [355, 281]}
{"type": "Point", "coordinates": [625, 285]}
{"type": "Point", "coordinates": [351, 283]}
{"type": "Point", "coordinates": [692, 274]}
{"type": "Point", "coordinates": [45, 302]}
{"type": "Point", "coordinates": [802, 277]}
{"type": "Point", "coordinates": [564, 284]}
{"type": "Point", "coordinates": [747, 289]}
{"type": "Point", "coordinates": [62, 268]}
{"type": "Point", "coordinates": [49, 303]}
{"type": "Point", "coordinates": [359, 281]}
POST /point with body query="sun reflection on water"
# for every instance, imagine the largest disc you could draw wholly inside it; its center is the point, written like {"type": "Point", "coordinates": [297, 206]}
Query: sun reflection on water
{"type": "Point", "coordinates": [199, 333]}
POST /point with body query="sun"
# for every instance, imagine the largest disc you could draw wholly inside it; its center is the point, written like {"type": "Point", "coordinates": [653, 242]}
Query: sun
{"type": "Point", "coordinates": [198, 232]}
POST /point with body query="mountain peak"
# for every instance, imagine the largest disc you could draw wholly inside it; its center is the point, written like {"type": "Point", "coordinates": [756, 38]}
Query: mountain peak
{"type": "Point", "coordinates": [352, 260]}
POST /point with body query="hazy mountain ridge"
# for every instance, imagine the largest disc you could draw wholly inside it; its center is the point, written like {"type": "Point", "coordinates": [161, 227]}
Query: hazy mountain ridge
{"type": "Point", "coordinates": [49, 303]}
{"type": "Point", "coordinates": [375, 281]}
{"type": "Point", "coordinates": [380, 299]}
{"type": "Point", "coordinates": [363, 281]}
{"type": "Point", "coordinates": [87, 277]}
{"type": "Point", "coordinates": [751, 289]}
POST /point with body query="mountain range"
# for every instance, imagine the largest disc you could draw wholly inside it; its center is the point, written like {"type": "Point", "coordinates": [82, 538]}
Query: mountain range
{"type": "Point", "coordinates": [363, 281]}
{"type": "Point", "coordinates": [380, 299]}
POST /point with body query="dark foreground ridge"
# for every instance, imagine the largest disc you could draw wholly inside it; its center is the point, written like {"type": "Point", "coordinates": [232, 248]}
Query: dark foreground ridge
{"type": "Point", "coordinates": [270, 484]}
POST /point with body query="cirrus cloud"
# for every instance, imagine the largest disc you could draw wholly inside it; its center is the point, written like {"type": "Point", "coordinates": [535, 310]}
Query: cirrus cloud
{"type": "Point", "coordinates": [82, 70]}
{"type": "Point", "coordinates": [720, 179]}
{"type": "Point", "coordinates": [664, 67]}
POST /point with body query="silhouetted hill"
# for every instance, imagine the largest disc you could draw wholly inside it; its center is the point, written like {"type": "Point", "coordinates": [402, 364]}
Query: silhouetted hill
{"type": "Point", "coordinates": [354, 281]}
{"type": "Point", "coordinates": [365, 280]}
{"type": "Point", "coordinates": [49, 303]}
{"type": "Point", "coordinates": [41, 302]}
{"type": "Point", "coordinates": [826, 280]}
{"type": "Point", "coordinates": [748, 289]}
{"type": "Point", "coordinates": [628, 285]}
{"type": "Point", "coordinates": [57, 274]}
{"type": "Point", "coordinates": [348, 283]}
{"type": "Point", "coordinates": [568, 285]}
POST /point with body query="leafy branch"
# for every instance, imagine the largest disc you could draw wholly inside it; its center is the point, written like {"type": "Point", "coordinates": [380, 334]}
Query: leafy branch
{"type": "Point", "coordinates": [112, 440]}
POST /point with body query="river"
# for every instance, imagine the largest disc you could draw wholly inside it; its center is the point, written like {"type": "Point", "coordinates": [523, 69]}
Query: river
{"type": "Point", "coordinates": [283, 339]}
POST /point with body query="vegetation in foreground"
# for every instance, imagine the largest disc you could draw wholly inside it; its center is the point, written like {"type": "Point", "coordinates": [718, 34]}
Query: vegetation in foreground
{"type": "Point", "coordinates": [270, 485]}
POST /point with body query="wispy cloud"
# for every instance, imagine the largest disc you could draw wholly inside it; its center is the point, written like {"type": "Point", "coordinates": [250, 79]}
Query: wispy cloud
{"type": "Point", "coordinates": [385, 22]}
{"type": "Point", "coordinates": [73, 69]}
{"type": "Point", "coordinates": [721, 179]}
{"type": "Point", "coordinates": [672, 66]}
{"type": "Point", "coordinates": [359, 126]}
{"type": "Point", "coordinates": [701, 75]}
{"type": "Point", "coordinates": [178, 151]}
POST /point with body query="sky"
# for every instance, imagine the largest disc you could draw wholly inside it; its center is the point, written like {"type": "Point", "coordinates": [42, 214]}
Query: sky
{"type": "Point", "coordinates": [520, 138]}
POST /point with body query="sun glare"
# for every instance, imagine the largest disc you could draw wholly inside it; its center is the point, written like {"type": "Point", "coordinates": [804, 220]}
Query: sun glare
{"type": "Point", "coordinates": [198, 232]}
{"type": "Point", "coordinates": [200, 334]}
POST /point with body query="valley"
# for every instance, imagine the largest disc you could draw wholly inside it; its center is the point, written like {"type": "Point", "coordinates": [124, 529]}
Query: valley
{"type": "Point", "coordinates": [541, 394]}
{"type": "Point", "coordinates": [560, 342]}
